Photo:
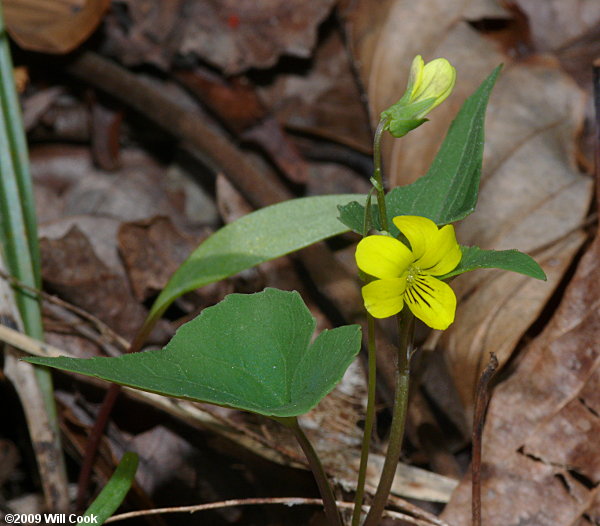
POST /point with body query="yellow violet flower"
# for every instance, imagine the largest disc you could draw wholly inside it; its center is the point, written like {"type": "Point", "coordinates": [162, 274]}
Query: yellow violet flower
{"type": "Point", "coordinates": [428, 86]}
{"type": "Point", "coordinates": [407, 275]}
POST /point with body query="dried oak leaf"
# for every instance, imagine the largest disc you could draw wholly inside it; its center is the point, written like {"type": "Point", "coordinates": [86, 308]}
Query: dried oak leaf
{"type": "Point", "coordinates": [71, 268]}
{"type": "Point", "coordinates": [532, 196]}
{"type": "Point", "coordinates": [541, 459]}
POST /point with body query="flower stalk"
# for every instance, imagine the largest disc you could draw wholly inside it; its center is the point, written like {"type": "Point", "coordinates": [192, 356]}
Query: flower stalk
{"type": "Point", "coordinates": [377, 178]}
{"type": "Point", "coordinates": [406, 331]}
{"type": "Point", "coordinates": [369, 422]}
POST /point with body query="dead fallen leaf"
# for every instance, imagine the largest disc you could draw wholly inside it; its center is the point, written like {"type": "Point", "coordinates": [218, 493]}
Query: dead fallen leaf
{"type": "Point", "coordinates": [227, 34]}
{"type": "Point", "coordinates": [152, 250]}
{"type": "Point", "coordinates": [324, 100]}
{"type": "Point", "coordinates": [52, 26]}
{"type": "Point", "coordinates": [540, 458]}
{"type": "Point", "coordinates": [531, 192]}
{"type": "Point", "coordinates": [71, 268]}
{"type": "Point", "coordinates": [557, 23]}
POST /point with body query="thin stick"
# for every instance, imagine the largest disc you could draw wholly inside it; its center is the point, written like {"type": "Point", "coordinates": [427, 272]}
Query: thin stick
{"type": "Point", "coordinates": [286, 501]}
{"type": "Point", "coordinates": [481, 403]}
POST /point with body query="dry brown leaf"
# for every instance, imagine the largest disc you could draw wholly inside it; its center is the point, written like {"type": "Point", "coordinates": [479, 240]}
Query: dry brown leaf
{"type": "Point", "coordinates": [233, 36]}
{"type": "Point", "coordinates": [540, 460]}
{"type": "Point", "coordinates": [71, 267]}
{"type": "Point", "coordinates": [236, 36]}
{"type": "Point", "coordinates": [556, 23]}
{"type": "Point", "coordinates": [531, 192]}
{"type": "Point", "coordinates": [324, 100]}
{"type": "Point", "coordinates": [152, 250]}
{"type": "Point", "coordinates": [52, 26]}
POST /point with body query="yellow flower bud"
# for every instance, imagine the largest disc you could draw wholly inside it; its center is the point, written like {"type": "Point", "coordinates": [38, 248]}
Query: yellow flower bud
{"type": "Point", "coordinates": [428, 86]}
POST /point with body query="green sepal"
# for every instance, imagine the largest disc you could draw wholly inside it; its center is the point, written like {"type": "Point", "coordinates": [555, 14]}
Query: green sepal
{"type": "Point", "coordinates": [401, 118]}
{"type": "Point", "coordinates": [400, 127]}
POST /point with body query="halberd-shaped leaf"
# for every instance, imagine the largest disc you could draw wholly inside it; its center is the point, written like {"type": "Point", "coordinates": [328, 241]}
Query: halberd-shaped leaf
{"type": "Point", "coordinates": [448, 192]}
{"type": "Point", "coordinates": [250, 352]}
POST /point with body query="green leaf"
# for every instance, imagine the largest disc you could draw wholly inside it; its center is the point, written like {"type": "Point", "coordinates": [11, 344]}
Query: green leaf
{"type": "Point", "coordinates": [448, 192]}
{"type": "Point", "coordinates": [513, 260]}
{"type": "Point", "coordinates": [263, 235]}
{"type": "Point", "coordinates": [249, 352]}
{"type": "Point", "coordinates": [113, 494]}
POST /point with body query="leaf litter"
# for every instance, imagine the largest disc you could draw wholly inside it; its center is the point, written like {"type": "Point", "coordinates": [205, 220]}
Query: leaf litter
{"type": "Point", "coordinates": [530, 169]}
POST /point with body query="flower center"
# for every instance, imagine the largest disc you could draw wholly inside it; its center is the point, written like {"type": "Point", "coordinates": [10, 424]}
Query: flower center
{"type": "Point", "coordinates": [412, 273]}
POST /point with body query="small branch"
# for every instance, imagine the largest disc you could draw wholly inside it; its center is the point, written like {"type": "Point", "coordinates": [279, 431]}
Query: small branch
{"type": "Point", "coordinates": [286, 501]}
{"type": "Point", "coordinates": [481, 403]}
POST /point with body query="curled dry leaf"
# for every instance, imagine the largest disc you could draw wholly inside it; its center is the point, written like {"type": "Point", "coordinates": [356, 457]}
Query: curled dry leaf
{"type": "Point", "coordinates": [532, 197]}
{"type": "Point", "coordinates": [52, 26]}
{"type": "Point", "coordinates": [541, 462]}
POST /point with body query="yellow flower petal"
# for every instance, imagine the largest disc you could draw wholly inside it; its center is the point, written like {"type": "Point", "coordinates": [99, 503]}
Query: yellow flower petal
{"type": "Point", "coordinates": [441, 258]}
{"type": "Point", "coordinates": [383, 256]}
{"type": "Point", "coordinates": [419, 231]}
{"type": "Point", "coordinates": [432, 301]}
{"type": "Point", "coordinates": [383, 297]}
{"type": "Point", "coordinates": [415, 76]}
{"type": "Point", "coordinates": [437, 81]}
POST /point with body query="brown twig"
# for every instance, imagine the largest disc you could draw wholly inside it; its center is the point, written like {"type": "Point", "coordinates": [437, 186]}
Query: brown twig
{"type": "Point", "coordinates": [481, 403]}
{"type": "Point", "coordinates": [286, 501]}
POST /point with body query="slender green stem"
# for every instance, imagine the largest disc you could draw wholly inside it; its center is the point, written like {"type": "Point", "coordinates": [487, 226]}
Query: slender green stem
{"type": "Point", "coordinates": [331, 510]}
{"type": "Point", "coordinates": [369, 422]}
{"type": "Point", "coordinates": [377, 174]}
{"type": "Point", "coordinates": [406, 329]}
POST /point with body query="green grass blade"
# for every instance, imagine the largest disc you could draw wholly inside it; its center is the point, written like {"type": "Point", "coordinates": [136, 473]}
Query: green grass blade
{"type": "Point", "coordinates": [18, 231]}
{"type": "Point", "coordinates": [113, 494]}
{"type": "Point", "coordinates": [18, 150]}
